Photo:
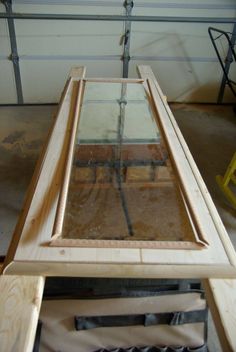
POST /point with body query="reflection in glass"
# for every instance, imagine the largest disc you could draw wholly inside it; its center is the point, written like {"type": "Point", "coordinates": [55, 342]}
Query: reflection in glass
{"type": "Point", "coordinates": [122, 184]}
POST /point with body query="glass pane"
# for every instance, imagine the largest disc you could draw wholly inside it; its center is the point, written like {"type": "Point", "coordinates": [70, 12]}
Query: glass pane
{"type": "Point", "coordinates": [122, 184]}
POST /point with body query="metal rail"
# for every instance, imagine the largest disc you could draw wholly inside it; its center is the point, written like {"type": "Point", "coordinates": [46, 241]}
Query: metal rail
{"type": "Point", "coordinates": [230, 57]}
{"type": "Point", "coordinates": [115, 164]}
{"type": "Point", "coordinates": [14, 57]}
{"type": "Point", "coordinates": [118, 157]}
{"type": "Point", "coordinates": [228, 61]}
{"type": "Point", "coordinates": [10, 16]}
{"type": "Point", "coordinates": [174, 19]}
{"type": "Point", "coordinates": [126, 53]}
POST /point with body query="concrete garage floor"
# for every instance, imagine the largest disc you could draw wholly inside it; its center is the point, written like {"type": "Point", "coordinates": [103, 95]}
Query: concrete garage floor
{"type": "Point", "coordinates": [22, 132]}
{"type": "Point", "coordinates": [209, 130]}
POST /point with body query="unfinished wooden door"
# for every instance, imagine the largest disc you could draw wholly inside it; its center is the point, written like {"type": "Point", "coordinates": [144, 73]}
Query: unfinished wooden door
{"type": "Point", "coordinates": [117, 192]}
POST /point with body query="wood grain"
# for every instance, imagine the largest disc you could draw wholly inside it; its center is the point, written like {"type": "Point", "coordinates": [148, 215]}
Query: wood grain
{"type": "Point", "coordinates": [77, 96]}
{"type": "Point", "coordinates": [221, 298]}
{"type": "Point", "coordinates": [115, 266]}
{"type": "Point", "coordinates": [33, 254]}
{"type": "Point", "coordinates": [19, 311]}
{"type": "Point", "coordinates": [114, 80]}
{"type": "Point", "coordinates": [202, 208]}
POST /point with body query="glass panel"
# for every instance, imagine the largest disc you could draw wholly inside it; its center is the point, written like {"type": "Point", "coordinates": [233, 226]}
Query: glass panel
{"type": "Point", "coordinates": [122, 185]}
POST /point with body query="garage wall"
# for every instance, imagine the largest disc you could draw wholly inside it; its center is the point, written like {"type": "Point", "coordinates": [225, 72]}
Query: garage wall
{"type": "Point", "coordinates": [182, 57]}
{"type": "Point", "coordinates": [50, 50]}
{"type": "Point", "coordinates": [180, 54]}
